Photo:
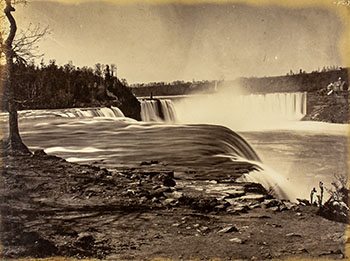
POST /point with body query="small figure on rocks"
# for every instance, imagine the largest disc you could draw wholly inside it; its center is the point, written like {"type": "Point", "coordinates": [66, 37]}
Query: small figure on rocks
{"type": "Point", "coordinates": [320, 197]}
{"type": "Point", "coordinates": [313, 191]}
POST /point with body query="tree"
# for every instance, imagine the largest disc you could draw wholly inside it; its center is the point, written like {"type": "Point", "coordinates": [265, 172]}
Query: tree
{"type": "Point", "coordinates": [16, 51]}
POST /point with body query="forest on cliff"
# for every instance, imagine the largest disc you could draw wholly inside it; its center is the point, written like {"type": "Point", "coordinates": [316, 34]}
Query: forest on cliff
{"type": "Point", "coordinates": [292, 82]}
{"type": "Point", "coordinates": [49, 86]}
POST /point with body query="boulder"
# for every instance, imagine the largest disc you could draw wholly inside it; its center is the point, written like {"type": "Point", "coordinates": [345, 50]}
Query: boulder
{"type": "Point", "coordinates": [228, 229]}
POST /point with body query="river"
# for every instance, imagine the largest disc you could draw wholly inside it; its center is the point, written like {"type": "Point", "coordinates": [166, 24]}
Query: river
{"type": "Point", "coordinates": [303, 153]}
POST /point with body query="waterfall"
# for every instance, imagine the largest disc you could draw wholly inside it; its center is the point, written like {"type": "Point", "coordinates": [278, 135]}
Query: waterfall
{"type": "Point", "coordinates": [218, 108]}
{"type": "Point", "coordinates": [113, 112]}
{"type": "Point", "coordinates": [158, 110]}
{"type": "Point", "coordinates": [291, 106]}
{"type": "Point", "coordinates": [243, 112]}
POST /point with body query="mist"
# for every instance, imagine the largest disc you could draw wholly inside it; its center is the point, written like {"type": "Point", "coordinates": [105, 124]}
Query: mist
{"type": "Point", "coordinates": [234, 108]}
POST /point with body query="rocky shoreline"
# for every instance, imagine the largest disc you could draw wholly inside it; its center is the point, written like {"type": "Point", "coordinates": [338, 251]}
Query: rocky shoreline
{"type": "Point", "coordinates": [50, 207]}
{"type": "Point", "coordinates": [328, 108]}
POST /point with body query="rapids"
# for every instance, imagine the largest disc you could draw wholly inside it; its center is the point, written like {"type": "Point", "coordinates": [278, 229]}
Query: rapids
{"type": "Point", "coordinates": [295, 155]}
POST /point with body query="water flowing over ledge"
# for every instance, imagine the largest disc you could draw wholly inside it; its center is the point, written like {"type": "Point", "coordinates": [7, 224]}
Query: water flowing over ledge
{"type": "Point", "coordinates": [112, 112]}
{"type": "Point", "coordinates": [218, 107]}
{"type": "Point", "coordinates": [158, 110]}
{"type": "Point", "coordinates": [104, 135]}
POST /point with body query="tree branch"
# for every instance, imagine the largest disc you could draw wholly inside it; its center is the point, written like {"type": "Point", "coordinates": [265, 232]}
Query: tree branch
{"type": "Point", "coordinates": [13, 25]}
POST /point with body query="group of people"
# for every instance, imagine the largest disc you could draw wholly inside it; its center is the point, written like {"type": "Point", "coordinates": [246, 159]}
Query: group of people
{"type": "Point", "coordinates": [335, 87]}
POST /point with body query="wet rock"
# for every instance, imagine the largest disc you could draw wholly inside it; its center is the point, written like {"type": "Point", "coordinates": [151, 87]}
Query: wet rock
{"type": "Point", "coordinates": [275, 209]}
{"type": "Point", "coordinates": [221, 207]}
{"type": "Point", "coordinates": [228, 229]}
{"type": "Point", "coordinates": [207, 205]}
{"type": "Point", "coordinates": [175, 194]}
{"type": "Point", "coordinates": [303, 202]}
{"type": "Point", "coordinates": [39, 153]}
{"type": "Point", "coordinates": [233, 193]}
{"type": "Point", "coordinates": [166, 179]}
{"type": "Point", "coordinates": [155, 200]}
{"type": "Point", "coordinates": [237, 240]}
{"type": "Point", "coordinates": [170, 202]}
{"type": "Point", "coordinates": [169, 182]}
{"type": "Point", "coordinates": [289, 205]}
{"type": "Point", "coordinates": [293, 235]}
{"type": "Point", "coordinates": [336, 210]}
{"type": "Point", "coordinates": [256, 197]}
{"type": "Point", "coordinates": [303, 250]}
{"type": "Point", "coordinates": [204, 229]}
{"type": "Point", "coordinates": [254, 188]}
{"type": "Point", "coordinates": [263, 217]}
{"type": "Point", "coordinates": [143, 200]}
{"type": "Point", "coordinates": [271, 203]}
{"type": "Point", "coordinates": [237, 209]}
{"type": "Point", "coordinates": [146, 163]}
{"type": "Point", "coordinates": [334, 252]}
{"type": "Point", "coordinates": [135, 176]}
{"type": "Point", "coordinates": [276, 225]}
{"type": "Point", "coordinates": [159, 192]}
{"type": "Point", "coordinates": [231, 201]}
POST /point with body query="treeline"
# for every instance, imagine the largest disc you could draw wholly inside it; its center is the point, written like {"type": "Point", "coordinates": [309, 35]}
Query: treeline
{"type": "Point", "coordinates": [173, 88]}
{"type": "Point", "coordinates": [305, 82]}
{"type": "Point", "coordinates": [324, 69]}
{"type": "Point", "coordinates": [292, 82]}
{"type": "Point", "coordinates": [49, 86]}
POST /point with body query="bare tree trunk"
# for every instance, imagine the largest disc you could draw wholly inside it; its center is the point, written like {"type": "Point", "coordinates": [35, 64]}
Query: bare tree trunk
{"type": "Point", "coordinates": [15, 143]}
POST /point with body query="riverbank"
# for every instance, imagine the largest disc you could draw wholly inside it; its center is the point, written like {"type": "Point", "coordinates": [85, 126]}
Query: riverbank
{"type": "Point", "coordinates": [51, 207]}
{"type": "Point", "coordinates": [332, 108]}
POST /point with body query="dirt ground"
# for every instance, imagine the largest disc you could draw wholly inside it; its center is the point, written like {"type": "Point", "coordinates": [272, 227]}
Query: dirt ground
{"type": "Point", "coordinates": [53, 208]}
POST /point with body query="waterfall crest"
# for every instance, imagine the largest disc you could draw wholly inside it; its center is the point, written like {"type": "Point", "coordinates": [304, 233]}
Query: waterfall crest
{"type": "Point", "coordinates": [243, 112]}
{"type": "Point", "coordinates": [113, 112]}
{"type": "Point", "coordinates": [158, 110]}
{"type": "Point", "coordinates": [221, 108]}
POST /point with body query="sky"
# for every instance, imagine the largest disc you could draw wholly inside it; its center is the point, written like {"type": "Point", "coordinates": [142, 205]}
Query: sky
{"type": "Point", "coordinates": [198, 41]}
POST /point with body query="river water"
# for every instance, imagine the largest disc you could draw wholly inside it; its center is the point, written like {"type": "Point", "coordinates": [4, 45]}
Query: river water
{"type": "Point", "coordinates": [303, 153]}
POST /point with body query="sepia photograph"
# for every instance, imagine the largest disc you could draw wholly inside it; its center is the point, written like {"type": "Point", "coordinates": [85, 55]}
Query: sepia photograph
{"type": "Point", "coordinates": [174, 129]}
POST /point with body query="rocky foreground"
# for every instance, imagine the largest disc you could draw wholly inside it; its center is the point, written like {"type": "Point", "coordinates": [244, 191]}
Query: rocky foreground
{"type": "Point", "coordinates": [50, 207]}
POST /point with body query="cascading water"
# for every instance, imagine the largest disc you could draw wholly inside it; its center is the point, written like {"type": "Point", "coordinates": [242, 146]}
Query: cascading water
{"type": "Point", "coordinates": [212, 151]}
{"type": "Point", "coordinates": [290, 106]}
{"type": "Point", "coordinates": [149, 111]}
{"type": "Point", "coordinates": [222, 109]}
{"type": "Point", "coordinates": [112, 112]}
{"type": "Point", "coordinates": [243, 112]}
{"type": "Point", "coordinates": [158, 110]}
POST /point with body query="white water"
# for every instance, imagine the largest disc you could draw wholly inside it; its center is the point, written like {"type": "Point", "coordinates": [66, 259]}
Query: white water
{"type": "Point", "coordinates": [149, 111]}
{"type": "Point", "coordinates": [243, 112]}
{"type": "Point", "coordinates": [300, 153]}
{"type": "Point", "coordinates": [113, 112]}
{"type": "Point", "coordinates": [158, 111]}
{"type": "Point", "coordinates": [266, 116]}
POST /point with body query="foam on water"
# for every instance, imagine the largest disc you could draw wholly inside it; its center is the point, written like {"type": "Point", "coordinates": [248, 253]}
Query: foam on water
{"type": "Point", "coordinates": [63, 149]}
{"type": "Point", "coordinates": [87, 135]}
{"type": "Point", "coordinates": [277, 184]}
{"type": "Point", "coordinates": [158, 111]}
{"type": "Point", "coordinates": [243, 112]}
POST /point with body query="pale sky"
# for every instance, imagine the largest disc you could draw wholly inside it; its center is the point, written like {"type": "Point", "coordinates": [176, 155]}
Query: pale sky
{"type": "Point", "coordinates": [168, 42]}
